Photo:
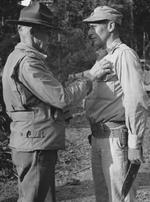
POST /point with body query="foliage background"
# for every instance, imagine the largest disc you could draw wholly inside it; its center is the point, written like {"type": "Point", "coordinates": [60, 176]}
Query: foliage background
{"type": "Point", "coordinates": [70, 50]}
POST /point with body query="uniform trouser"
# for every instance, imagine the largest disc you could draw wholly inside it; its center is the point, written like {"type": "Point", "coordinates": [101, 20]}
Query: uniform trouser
{"type": "Point", "coordinates": [109, 167]}
{"type": "Point", "coordinates": [36, 175]}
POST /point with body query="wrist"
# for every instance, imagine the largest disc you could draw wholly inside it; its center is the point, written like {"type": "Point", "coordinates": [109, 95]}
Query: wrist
{"type": "Point", "coordinates": [88, 75]}
{"type": "Point", "coordinates": [134, 154]}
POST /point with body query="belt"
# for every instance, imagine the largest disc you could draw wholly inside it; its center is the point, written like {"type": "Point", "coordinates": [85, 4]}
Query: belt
{"type": "Point", "coordinates": [103, 130]}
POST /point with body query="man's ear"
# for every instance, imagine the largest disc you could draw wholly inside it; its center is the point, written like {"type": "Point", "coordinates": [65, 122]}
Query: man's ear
{"type": "Point", "coordinates": [19, 27]}
{"type": "Point", "coordinates": [32, 30]}
{"type": "Point", "coordinates": [111, 26]}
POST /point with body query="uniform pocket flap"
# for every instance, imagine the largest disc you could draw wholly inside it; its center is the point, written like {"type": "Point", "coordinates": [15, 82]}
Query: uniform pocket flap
{"type": "Point", "coordinates": [22, 116]}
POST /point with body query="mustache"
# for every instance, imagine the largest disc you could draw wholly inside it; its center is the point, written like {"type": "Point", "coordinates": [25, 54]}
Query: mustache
{"type": "Point", "coordinates": [93, 37]}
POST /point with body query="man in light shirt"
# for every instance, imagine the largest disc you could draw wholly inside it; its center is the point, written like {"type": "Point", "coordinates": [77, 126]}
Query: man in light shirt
{"type": "Point", "coordinates": [116, 109]}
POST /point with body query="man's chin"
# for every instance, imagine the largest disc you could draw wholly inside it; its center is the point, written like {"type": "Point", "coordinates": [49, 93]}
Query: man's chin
{"type": "Point", "coordinates": [43, 50]}
{"type": "Point", "coordinates": [97, 46]}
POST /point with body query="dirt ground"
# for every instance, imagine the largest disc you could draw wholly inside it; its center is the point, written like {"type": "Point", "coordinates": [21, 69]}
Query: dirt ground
{"type": "Point", "coordinates": [73, 172]}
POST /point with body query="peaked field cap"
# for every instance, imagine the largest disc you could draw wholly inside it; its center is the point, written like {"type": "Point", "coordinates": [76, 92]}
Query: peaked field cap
{"type": "Point", "coordinates": [37, 14]}
{"type": "Point", "coordinates": [104, 13]}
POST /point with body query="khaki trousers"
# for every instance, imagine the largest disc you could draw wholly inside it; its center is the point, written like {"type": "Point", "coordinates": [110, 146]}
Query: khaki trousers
{"type": "Point", "coordinates": [36, 175]}
{"type": "Point", "coordinates": [109, 166]}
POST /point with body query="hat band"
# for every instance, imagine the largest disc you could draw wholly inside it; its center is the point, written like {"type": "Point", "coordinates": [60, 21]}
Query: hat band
{"type": "Point", "coordinates": [33, 20]}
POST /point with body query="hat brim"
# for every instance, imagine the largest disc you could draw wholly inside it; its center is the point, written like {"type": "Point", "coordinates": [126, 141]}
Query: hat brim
{"type": "Point", "coordinates": [27, 23]}
{"type": "Point", "coordinates": [93, 19]}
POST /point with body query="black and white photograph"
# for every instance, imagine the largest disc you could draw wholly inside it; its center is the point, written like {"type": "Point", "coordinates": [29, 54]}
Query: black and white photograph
{"type": "Point", "coordinates": [74, 101]}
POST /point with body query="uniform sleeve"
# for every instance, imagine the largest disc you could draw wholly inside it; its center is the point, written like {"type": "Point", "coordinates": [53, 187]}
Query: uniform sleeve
{"type": "Point", "coordinates": [41, 82]}
{"type": "Point", "coordinates": [134, 98]}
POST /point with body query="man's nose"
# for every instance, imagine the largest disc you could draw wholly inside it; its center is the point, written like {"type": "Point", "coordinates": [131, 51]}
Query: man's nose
{"type": "Point", "coordinates": [90, 33]}
{"type": "Point", "coordinates": [49, 38]}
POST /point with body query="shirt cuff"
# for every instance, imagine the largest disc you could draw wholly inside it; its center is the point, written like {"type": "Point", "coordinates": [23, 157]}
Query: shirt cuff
{"type": "Point", "coordinates": [85, 74]}
{"type": "Point", "coordinates": [134, 153]}
{"type": "Point", "coordinates": [88, 75]}
{"type": "Point", "coordinates": [133, 142]}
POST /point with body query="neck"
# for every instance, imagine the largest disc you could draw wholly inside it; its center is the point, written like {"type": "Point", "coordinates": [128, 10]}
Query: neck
{"type": "Point", "coordinates": [111, 39]}
{"type": "Point", "coordinates": [27, 41]}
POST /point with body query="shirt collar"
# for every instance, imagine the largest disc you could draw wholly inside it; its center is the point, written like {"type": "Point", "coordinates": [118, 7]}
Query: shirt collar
{"type": "Point", "coordinates": [28, 48]}
{"type": "Point", "coordinates": [114, 45]}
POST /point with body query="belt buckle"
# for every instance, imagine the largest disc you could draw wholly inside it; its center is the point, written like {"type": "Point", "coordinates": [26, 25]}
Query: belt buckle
{"type": "Point", "coordinates": [102, 128]}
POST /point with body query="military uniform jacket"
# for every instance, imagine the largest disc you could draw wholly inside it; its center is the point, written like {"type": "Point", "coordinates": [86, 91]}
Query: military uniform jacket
{"type": "Point", "coordinates": [33, 96]}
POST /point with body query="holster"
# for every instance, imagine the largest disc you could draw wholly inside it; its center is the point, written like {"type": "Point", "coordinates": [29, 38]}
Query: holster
{"type": "Point", "coordinates": [111, 129]}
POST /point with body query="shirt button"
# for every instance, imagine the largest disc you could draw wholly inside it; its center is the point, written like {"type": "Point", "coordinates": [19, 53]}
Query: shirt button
{"type": "Point", "coordinates": [28, 133]}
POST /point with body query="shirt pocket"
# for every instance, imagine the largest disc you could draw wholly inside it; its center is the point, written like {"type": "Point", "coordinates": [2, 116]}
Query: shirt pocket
{"type": "Point", "coordinates": [112, 82]}
{"type": "Point", "coordinates": [111, 86]}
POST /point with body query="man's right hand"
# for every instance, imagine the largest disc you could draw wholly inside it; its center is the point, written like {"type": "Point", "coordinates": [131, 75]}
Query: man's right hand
{"type": "Point", "coordinates": [100, 69]}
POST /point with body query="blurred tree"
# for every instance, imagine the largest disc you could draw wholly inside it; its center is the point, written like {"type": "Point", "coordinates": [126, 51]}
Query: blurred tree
{"type": "Point", "coordinates": [9, 9]}
{"type": "Point", "coordinates": [141, 11]}
{"type": "Point", "coordinates": [70, 49]}
{"type": "Point", "coordinates": [69, 53]}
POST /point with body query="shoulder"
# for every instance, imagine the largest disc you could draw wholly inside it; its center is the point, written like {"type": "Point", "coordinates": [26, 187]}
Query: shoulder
{"type": "Point", "coordinates": [124, 51]}
{"type": "Point", "coordinates": [123, 48]}
{"type": "Point", "coordinates": [32, 60]}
